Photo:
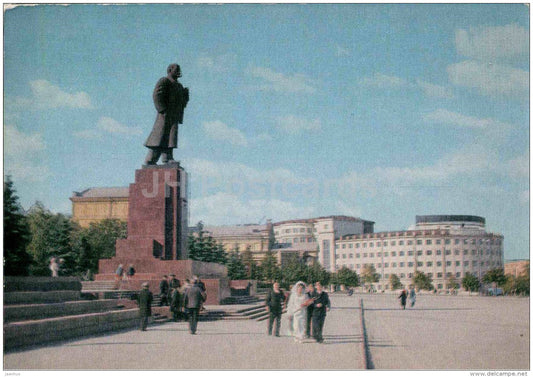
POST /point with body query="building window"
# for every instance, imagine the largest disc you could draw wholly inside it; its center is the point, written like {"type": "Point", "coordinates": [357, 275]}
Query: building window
{"type": "Point", "coordinates": [419, 252]}
{"type": "Point", "coordinates": [371, 244]}
{"type": "Point", "coordinates": [457, 241]}
{"type": "Point", "coordinates": [344, 246]}
{"type": "Point", "coordinates": [379, 254]}
{"type": "Point", "coordinates": [400, 243]}
{"type": "Point", "coordinates": [402, 253]}
{"type": "Point", "coordinates": [448, 252]}
{"type": "Point", "coordinates": [439, 263]}
{"type": "Point", "coordinates": [343, 256]}
{"type": "Point", "coordinates": [384, 243]}
{"type": "Point", "coordinates": [393, 243]}
{"type": "Point", "coordinates": [410, 264]}
{"type": "Point", "coordinates": [411, 253]}
{"type": "Point", "coordinates": [457, 252]}
{"type": "Point", "coordinates": [466, 263]}
{"type": "Point", "coordinates": [357, 255]}
{"type": "Point", "coordinates": [447, 241]}
{"type": "Point", "coordinates": [457, 263]}
{"type": "Point", "coordinates": [393, 253]}
{"type": "Point", "coordinates": [350, 245]}
{"type": "Point", "coordinates": [351, 255]}
{"type": "Point", "coordinates": [474, 263]}
{"type": "Point", "coordinates": [365, 255]}
{"type": "Point", "coordinates": [448, 263]}
{"type": "Point", "coordinates": [428, 242]}
{"type": "Point", "coordinates": [302, 230]}
{"type": "Point", "coordinates": [364, 244]}
{"type": "Point", "coordinates": [457, 274]}
{"type": "Point", "coordinates": [430, 275]}
{"type": "Point", "coordinates": [378, 244]}
{"type": "Point", "coordinates": [295, 240]}
{"type": "Point", "coordinates": [465, 252]}
{"type": "Point", "coordinates": [325, 226]}
{"type": "Point", "coordinates": [386, 254]}
{"type": "Point", "coordinates": [379, 265]}
{"type": "Point", "coordinates": [439, 286]}
{"type": "Point", "coordinates": [358, 265]}
{"type": "Point", "coordinates": [429, 264]}
{"type": "Point", "coordinates": [429, 252]}
{"type": "Point", "coordinates": [402, 264]}
{"type": "Point", "coordinates": [386, 265]}
{"type": "Point", "coordinates": [439, 274]}
{"type": "Point", "coordinates": [409, 242]}
{"type": "Point", "coordinates": [410, 275]}
{"type": "Point", "coordinates": [402, 275]}
{"type": "Point", "coordinates": [394, 264]}
{"type": "Point", "coordinates": [438, 242]}
{"type": "Point", "coordinates": [371, 255]}
{"type": "Point", "coordinates": [419, 242]}
{"type": "Point", "coordinates": [419, 264]}
{"type": "Point", "coordinates": [357, 246]}
{"type": "Point", "coordinates": [438, 252]}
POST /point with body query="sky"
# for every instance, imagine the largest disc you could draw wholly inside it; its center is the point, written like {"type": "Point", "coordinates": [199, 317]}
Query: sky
{"type": "Point", "coordinates": [378, 111]}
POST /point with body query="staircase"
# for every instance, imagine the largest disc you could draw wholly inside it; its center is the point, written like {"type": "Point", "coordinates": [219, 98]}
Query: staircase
{"type": "Point", "coordinates": [42, 310]}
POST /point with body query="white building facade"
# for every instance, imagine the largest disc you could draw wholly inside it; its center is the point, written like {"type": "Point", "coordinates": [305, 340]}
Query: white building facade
{"type": "Point", "coordinates": [440, 246]}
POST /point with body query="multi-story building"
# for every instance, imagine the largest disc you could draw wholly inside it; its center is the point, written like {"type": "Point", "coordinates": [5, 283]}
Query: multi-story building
{"type": "Point", "coordinates": [439, 246]}
{"type": "Point", "coordinates": [254, 237]}
{"type": "Point", "coordinates": [315, 237]}
{"type": "Point", "coordinates": [516, 267]}
{"type": "Point", "coordinates": [99, 203]}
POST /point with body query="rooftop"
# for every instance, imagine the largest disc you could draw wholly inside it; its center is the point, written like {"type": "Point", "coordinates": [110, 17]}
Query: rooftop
{"type": "Point", "coordinates": [103, 192]}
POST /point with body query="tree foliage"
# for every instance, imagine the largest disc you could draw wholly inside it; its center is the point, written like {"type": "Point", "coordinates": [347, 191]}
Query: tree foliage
{"type": "Point", "coordinates": [346, 277]}
{"type": "Point", "coordinates": [50, 237]}
{"type": "Point", "coordinates": [394, 282]}
{"type": "Point", "coordinates": [422, 281]}
{"type": "Point", "coordinates": [494, 275]}
{"type": "Point", "coordinates": [270, 270]}
{"type": "Point", "coordinates": [369, 274]}
{"type": "Point", "coordinates": [96, 242]}
{"type": "Point", "coordinates": [204, 248]}
{"type": "Point", "coordinates": [235, 266]}
{"type": "Point", "coordinates": [452, 283]}
{"type": "Point", "coordinates": [16, 234]}
{"type": "Point", "coordinates": [470, 282]}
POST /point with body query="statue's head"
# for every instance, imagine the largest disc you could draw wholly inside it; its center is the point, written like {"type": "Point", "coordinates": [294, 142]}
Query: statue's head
{"type": "Point", "coordinates": [174, 71]}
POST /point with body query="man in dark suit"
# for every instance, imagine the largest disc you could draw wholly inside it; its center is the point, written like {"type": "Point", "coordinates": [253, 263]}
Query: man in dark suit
{"type": "Point", "coordinates": [145, 305]}
{"type": "Point", "coordinates": [193, 301]}
{"type": "Point", "coordinates": [164, 288]}
{"type": "Point", "coordinates": [274, 303]}
{"type": "Point", "coordinates": [322, 305]}
{"type": "Point", "coordinates": [311, 294]}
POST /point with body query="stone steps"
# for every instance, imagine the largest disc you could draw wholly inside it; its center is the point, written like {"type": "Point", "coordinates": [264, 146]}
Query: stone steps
{"type": "Point", "coordinates": [61, 309]}
{"type": "Point", "coordinates": [33, 297]}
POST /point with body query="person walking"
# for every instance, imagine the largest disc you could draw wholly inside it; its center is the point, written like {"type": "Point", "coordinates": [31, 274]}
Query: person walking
{"type": "Point", "coordinates": [118, 276]}
{"type": "Point", "coordinates": [311, 295]}
{"type": "Point", "coordinates": [274, 303]}
{"type": "Point", "coordinates": [412, 296]}
{"type": "Point", "coordinates": [144, 300]}
{"type": "Point", "coordinates": [193, 301]}
{"type": "Point", "coordinates": [175, 303]}
{"type": "Point", "coordinates": [54, 267]}
{"type": "Point", "coordinates": [322, 306]}
{"type": "Point", "coordinates": [163, 291]}
{"type": "Point", "coordinates": [403, 298]}
{"type": "Point", "coordinates": [297, 310]}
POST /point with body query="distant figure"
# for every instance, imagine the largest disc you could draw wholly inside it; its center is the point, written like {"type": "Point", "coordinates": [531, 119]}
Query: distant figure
{"type": "Point", "coordinates": [131, 271]}
{"type": "Point", "coordinates": [54, 267]}
{"type": "Point", "coordinates": [322, 306]}
{"type": "Point", "coordinates": [118, 276]}
{"type": "Point", "coordinates": [311, 294]}
{"type": "Point", "coordinates": [145, 305]}
{"type": "Point", "coordinates": [412, 297]}
{"type": "Point", "coordinates": [403, 298]}
{"type": "Point", "coordinates": [173, 284]}
{"type": "Point", "coordinates": [170, 99]}
{"type": "Point", "coordinates": [164, 288]}
{"type": "Point", "coordinates": [297, 310]}
{"type": "Point", "coordinates": [193, 301]}
{"type": "Point", "coordinates": [175, 303]}
{"type": "Point", "coordinates": [274, 303]}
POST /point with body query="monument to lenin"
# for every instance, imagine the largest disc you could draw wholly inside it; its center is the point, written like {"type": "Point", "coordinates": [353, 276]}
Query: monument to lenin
{"type": "Point", "coordinates": [157, 217]}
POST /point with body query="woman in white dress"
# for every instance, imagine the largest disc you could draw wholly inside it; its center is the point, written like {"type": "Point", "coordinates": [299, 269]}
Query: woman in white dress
{"type": "Point", "coordinates": [297, 310]}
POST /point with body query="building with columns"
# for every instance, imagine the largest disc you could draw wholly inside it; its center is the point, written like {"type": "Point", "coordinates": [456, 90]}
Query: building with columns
{"type": "Point", "coordinates": [99, 203]}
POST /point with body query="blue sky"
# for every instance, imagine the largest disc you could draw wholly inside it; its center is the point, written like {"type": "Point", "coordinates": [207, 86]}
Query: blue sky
{"type": "Point", "coordinates": [378, 111]}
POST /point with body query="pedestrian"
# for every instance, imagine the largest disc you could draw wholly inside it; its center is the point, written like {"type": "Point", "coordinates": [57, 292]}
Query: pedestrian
{"type": "Point", "coordinates": [54, 267]}
{"type": "Point", "coordinates": [403, 298]}
{"type": "Point", "coordinates": [193, 301]}
{"type": "Point", "coordinates": [144, 300]}
{"type": "Point", "coordinates": [204, 291]}
{"type": "Point", "coordinates": [412, 297]}
{"type": "Point", "coordinates": [297, 310]}
{"type": "Point", "coordinates": [163, 291]}
{"type": "Point", "coordinates": [312, 295]}
{"type": "Point", "coordinates": [275, 301]}
{"type": "Point", "coordinates": [175, 300]}
{"type": "Point", "coordinates": [118, 276]}
{"type": "Point", "coordinates": [131, 271]}
{"type": "Point", "coordinates": [322, 306]}
{"type": "Point", "coordinates": [290, 329]}
{"type": "Point", "coordinates": [172, 284]}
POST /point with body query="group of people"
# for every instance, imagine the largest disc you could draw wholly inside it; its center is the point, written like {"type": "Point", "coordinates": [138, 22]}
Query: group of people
{"type": "Point", "coordinates": [306, 306]}
{"type": "Point", "coordinates": [123, 274]}
{"type": "Point", "coordinates": [185, 301]}
{"type": "Point", "coordinates": [403, 297]}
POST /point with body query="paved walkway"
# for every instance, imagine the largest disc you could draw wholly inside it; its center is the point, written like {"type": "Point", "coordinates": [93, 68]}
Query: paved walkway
{"type": "Point", "coordinates": [240, 344]}
{"type": "Point", "coordinates": [451, 333]}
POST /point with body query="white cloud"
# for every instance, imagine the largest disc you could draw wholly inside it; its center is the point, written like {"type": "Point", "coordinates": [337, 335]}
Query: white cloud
{"type": "Point", "coordinates": [493, 42]}
{"type": "Point", "coordinates": [89, 134]}
{"type": "Point", "coordinates": [278, 82]}
{"type": "Point", "coordinates": [218, 130]}
{"type": "Point", "coordinates": [433, 90]}
{"type": "Point", "coordinates": [447, 117]}
{"type": "Point", "coordinates": [224, 208]}
{"type": "Point", "coordinates": [23, 155]}
{"type": "Point", "coordinates": [293, 124]}
{"type": "Point", "coordinates": [382, 81]}
{"type": "Point", "coordinates": [112, 126]}
{"type": "Point", "coordinates": [341, 51]}
{"type": "Point", "coordinates": [517, 167]}
{"type": "Point", "coordinates": [49, 96]}
{"type": "Point", "coordinates": [490, 79]}
{"type": "Point", "coordinates": [217, 64]}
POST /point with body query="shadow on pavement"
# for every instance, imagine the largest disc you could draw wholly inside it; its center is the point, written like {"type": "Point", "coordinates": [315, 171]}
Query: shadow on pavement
{"type": "Point", "coordinates": [415, 309]}
{"type": "Point", "coordinates": [107, 344]}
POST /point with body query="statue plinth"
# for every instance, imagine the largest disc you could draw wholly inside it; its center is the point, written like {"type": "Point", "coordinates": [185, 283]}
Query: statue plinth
{"type": "Point", "coordinates": [157, 233]}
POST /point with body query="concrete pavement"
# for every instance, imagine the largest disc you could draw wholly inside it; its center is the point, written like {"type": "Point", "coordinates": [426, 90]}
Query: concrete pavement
{"type": "Point", "coordinates": [440, 332]}
{"type": "Point", "coordinates": [219, 345]}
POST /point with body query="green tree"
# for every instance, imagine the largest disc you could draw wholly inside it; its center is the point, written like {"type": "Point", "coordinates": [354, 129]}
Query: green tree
{"type": "Point", "coordinates": [16, 234]}
{"type": "Point", "coordinates": [452, 283]}
{"type": "Point", "coordinates": [252, 269]}
{"type": "Point", "coordinates": [518, 285]}
{"type": "Point", "coordinates": [294, 270]}
{"type": "Point", "coordinates": [316, 272]}
{"type": "Point", "coordinates": [470, 282]}
{"type": "Point", "coordinates": [369, 274]}
{"type": "Point", "coordinates": [202, 247]}
{"type": "Point", "coordinates": [494, 275]}
{"type": "Point", "coordinates": [394, 282]}
{"type": "Point", "coordinates": [235, 266]}
{"type": "Point", "coordinates": [346, 277]}
{"type": "Point", "coordinates": [50, 236]}
{"type": "Point", "coordinates": [422, 281]}
{"type": "Point", "coordinates": [96, 242]}
{"type": "Point", "coordinates": [269, 268]}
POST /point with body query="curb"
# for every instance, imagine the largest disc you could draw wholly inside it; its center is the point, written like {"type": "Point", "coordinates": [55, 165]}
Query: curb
{"type": "Point", "coordinates": [364, 343]}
